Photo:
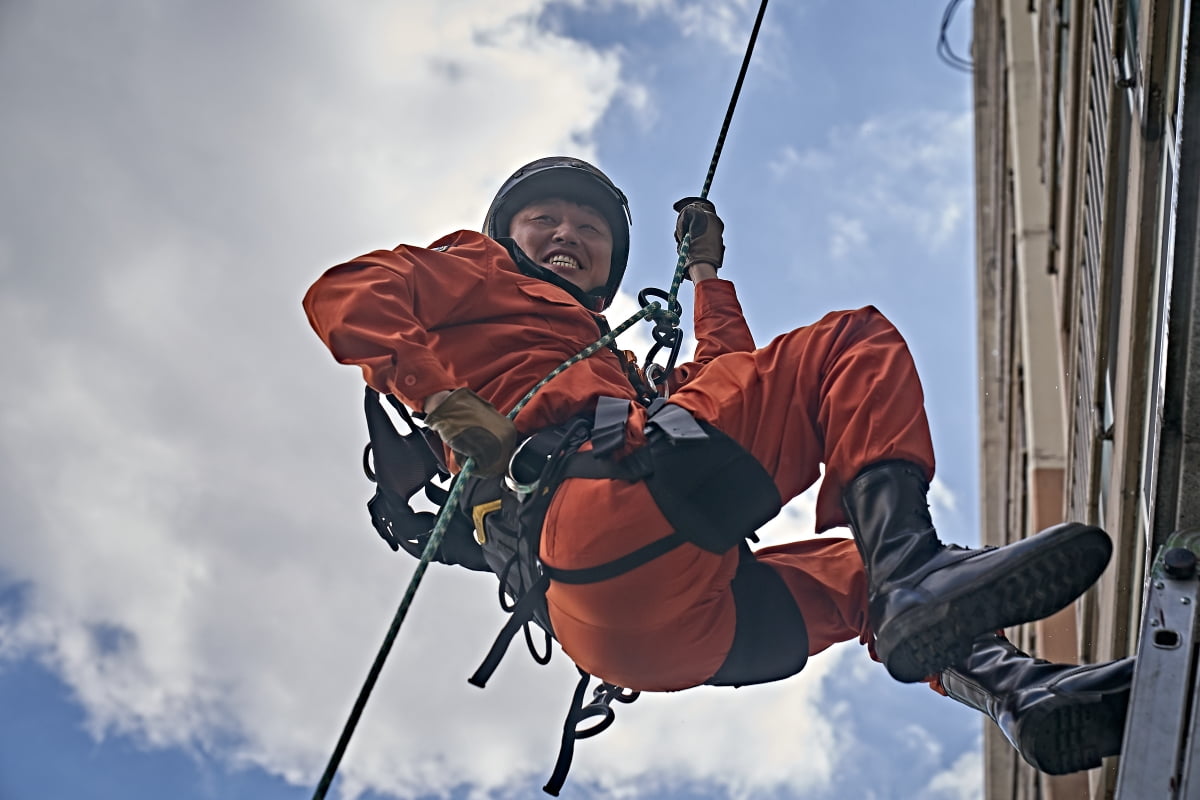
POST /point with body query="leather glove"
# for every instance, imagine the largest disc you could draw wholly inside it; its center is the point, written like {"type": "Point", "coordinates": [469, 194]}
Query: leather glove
{"type": "Point", "coordinates": [700, 217]}
{"type": "Point", "coordinates": [473, 428]}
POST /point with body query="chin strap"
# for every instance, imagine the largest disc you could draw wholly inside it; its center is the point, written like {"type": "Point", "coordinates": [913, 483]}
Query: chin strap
{"type": "Point", "coordinates": [589, 300]}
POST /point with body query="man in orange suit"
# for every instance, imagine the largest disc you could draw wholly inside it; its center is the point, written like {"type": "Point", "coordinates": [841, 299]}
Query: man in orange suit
{"type": "Point", "coordinates": [462, 330]}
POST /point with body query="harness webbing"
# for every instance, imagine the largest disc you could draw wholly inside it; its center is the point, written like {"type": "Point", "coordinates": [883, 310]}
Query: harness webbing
{"type": "Point", "coordinates": [668, 317]}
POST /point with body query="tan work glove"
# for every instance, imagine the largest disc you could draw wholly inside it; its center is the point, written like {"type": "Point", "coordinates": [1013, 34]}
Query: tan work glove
{"type": "Point", "coordinates": [699, 216]}
{"type": "Point", "coordinates": [473, 428]}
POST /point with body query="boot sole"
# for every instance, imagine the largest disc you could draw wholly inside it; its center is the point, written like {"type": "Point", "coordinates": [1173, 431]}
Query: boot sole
{"type": "Point", "coordinates": [1077, 736]}
{"type": "Point", "coordinates": [932, 637]}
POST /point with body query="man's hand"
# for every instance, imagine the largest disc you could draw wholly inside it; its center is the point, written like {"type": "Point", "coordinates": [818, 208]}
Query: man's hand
{"type": "Point", "coordinates": [472, 428]}
{"type": "Point", "coordinates": [707, 247]}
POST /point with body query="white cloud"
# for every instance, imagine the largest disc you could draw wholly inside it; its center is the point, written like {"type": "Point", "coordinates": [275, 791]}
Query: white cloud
{"type": "Point", "coordinates": [641, 104]}
{"type": "Point", "coordinates": [903, 170]}
{"type": "Point", "coordinates": [918, 739]}
{"type": "Point", "coordinates": [797, 520]}
{"type": "Point", "coordinates": [725, 23]}
{"type": "Point", "coordinates": [941, 497]}
{"type": "Point", "coordinates": [962, 781]}
{"type": "Point", "coordinates": [180, 456]}
{"type": "Point", "coordinates": [743, 741]}
{"type": "Point", "coordinates": [845, 236]}
{"type": "Point", "coordinates": [790, 159]}
{"type": "Point", "coordinates": [180, 476]}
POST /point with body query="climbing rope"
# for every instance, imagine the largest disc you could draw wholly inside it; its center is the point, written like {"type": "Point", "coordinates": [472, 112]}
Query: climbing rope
{"type": "Point", "coordinates": [666, 320]}
{"type": "Point", "coordinates": [667, 334]}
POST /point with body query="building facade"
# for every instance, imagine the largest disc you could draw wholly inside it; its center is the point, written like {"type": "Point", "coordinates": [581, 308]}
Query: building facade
{"type": "Point", "coordinates": [1087, 216]}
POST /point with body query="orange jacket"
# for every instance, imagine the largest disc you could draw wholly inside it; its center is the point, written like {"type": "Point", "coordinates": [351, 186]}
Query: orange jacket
{"type": "Point", "coordinates": [460, 313]}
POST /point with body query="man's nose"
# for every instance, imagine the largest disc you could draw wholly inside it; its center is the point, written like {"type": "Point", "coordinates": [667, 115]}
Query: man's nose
{"type": "Point", "coordinates": [565, 232]}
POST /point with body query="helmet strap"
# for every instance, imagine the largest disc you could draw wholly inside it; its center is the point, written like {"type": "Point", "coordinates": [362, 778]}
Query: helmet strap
{"type": "Point", "coordinates": [592, 301]}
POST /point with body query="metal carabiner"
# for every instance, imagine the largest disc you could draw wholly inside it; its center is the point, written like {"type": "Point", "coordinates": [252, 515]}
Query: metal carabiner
{"type": "Point", "coordinates": [517, 477]}
{"type": "Point", "coordinates": [656, 375]}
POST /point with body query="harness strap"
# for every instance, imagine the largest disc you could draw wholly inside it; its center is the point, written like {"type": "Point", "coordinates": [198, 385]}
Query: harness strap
{"type": "Point", "coordinates": [566, 747]}
{"type": "Point", "coordinates": [675, 422]}
{"type": "Point", "coordinates": [600, 706]}
{"type": "Point", "coordinates": [522, 613]}
{"type": "Point", "coordinates": [608, 428]}
{"type": "Point", "coordinates": [618, 566]}
{"type": "Point", "coordinates": [589, 464]}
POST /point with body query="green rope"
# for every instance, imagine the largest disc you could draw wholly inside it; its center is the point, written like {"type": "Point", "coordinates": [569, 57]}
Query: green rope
{"type": "Point", "coordinates": [435, 539]}
{"type": "Point", "coordinates": [649, 311]}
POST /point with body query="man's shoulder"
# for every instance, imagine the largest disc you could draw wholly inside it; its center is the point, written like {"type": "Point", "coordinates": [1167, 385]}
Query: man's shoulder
{"type": "Point", "coordinates": [458, 250]}
{"type": "Point", "coordinates": [465, 240]}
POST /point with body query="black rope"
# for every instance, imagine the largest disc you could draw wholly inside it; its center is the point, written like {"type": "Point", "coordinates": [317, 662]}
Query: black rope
{"type": "Point", "coordinates": [945, 53]}
{"type": "Point", "coordinates": [737, 90]}
{"type": "Point", "coordinates": [360, 703]}
{"type": "Point", "coordinates": [666, 320]}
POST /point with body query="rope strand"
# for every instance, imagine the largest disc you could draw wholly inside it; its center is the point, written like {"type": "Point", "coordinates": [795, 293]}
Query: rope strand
{"type": "Point", "coordinates": [360, 703]}
{"type": "Point", "coordinates": [737, 91]}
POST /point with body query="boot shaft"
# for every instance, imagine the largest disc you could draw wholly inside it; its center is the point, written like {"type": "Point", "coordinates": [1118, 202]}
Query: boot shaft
{"type": "Point", "coordinates": [994, 670]}
{"type": "Point", "coordinates": [1061, 718]}
{"type": "Point", "coordinates": [928, 601]}
{"type": "Point", "coordinates": [889, 514]}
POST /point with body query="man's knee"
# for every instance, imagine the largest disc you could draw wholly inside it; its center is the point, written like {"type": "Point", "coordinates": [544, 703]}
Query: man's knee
{"type": "Point", "coordinates": [770, 641]}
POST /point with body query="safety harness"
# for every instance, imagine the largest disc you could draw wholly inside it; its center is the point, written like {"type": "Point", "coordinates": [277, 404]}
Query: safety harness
{"type": "Point", "coordinates": [713, 492]}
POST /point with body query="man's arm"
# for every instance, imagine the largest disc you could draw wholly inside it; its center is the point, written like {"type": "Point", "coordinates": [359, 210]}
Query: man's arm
{"type": "Point", "coordinates": [718, 321]}
{"type": "Point", "coordinates": [375, 313]}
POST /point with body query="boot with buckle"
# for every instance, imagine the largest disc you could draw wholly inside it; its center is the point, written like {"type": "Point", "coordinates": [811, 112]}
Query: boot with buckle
{"type": "Point", "coordinates": [930, 601]}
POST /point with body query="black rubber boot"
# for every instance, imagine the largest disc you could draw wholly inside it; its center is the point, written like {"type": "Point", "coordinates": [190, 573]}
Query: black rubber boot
{"type": "Point", "coordinates": [930, 601]}
{"type": "Point", "coordinates": [1060, 718]}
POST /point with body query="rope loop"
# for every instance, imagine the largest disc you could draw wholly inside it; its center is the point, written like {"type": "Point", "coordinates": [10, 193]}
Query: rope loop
{"type": "Point", "coordinates": [663, 318]}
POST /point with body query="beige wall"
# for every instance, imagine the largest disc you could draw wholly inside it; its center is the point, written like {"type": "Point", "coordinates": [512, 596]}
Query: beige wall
{"type": "Point", "coordinates": [1074, 144]}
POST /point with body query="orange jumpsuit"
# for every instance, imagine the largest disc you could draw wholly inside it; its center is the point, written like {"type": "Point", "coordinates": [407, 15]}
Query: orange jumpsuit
{"type": "Point", "coordinates": [843, 392]}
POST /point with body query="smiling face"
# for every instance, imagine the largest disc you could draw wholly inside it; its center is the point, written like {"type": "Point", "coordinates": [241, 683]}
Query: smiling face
{"type": "Point", "coordinates": [571, 240]}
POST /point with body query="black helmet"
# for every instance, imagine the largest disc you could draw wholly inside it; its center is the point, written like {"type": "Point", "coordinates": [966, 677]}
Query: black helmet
{"type": "Point", "coordinates": [571, 179]}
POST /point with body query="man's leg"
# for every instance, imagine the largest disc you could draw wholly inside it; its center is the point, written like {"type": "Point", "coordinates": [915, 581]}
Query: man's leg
{"type": "Point", "coordinates": [677, 621]}
{"type": "Point", "coordinates": [1061, 718]}
{"type": "Point", "coordinates": [846, 392]}
{"type": "Point", "coordinates": [827, 580]}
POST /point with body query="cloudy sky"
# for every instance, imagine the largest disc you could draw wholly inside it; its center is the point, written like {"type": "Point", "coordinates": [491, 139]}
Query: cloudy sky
{"type": "Point", "coordinates": [190, 589]}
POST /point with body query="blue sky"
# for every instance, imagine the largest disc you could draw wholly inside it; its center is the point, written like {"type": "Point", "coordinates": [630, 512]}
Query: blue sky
{"type": "Point", "coordinates": [190, 591]}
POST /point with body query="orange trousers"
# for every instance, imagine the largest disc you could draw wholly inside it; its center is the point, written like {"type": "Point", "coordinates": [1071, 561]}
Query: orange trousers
{"type": "Point", "coordinates": [843, 392]}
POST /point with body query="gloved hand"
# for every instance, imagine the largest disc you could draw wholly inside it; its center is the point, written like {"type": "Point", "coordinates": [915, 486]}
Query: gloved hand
{"type": "Point", "coordinates": [472, 428]}
{"type": "Point", "coordinates": [700, 217]}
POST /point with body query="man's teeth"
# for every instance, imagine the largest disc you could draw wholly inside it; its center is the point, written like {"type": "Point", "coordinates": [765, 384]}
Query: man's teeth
{"type": "Point", "coordinates": [565, 261]}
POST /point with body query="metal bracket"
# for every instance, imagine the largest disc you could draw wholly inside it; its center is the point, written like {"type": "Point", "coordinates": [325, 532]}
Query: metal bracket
{"type": "Point", "coordinates": [1160, 757]}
